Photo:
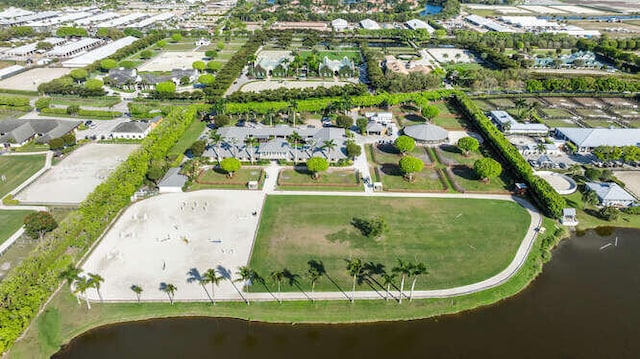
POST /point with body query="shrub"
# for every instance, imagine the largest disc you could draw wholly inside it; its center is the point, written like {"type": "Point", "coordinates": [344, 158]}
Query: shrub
{"type": "Point", "coordinates": [609, 213]}
{"type": "Point", "coordinates": [487, 168]}
{"type": "Point", "coordinates": [370, 227]}
{"type": "Point", "coordinates": [43, 102]}
{"type": "Point", "coordinates": [405, 144]}
{"type": "Point", "coordinates": [56, 143]}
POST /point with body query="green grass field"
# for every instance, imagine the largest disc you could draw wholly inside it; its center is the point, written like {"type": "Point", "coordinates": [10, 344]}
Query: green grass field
{"type": "Point", "coordinates": [190, 136]}
{"type": "Point", "coordinates": [90, 102]}
{"type": "Point", "coordinates": [559, 123]}
{"type": "Point", "coordinates": [426, 180]}
{"type": "Point", "coordinates": [460, 240]}
{"type": "Point", "coordinates": [217, 178]}
{"type": "Point", "coordinates": [11, 222]}
{"type": "Point", "coordinates": [556, 113]}
{"type": "Point", "coordinates": [331, 178]}
{"type": "Point", "coordinates": [18, 169]}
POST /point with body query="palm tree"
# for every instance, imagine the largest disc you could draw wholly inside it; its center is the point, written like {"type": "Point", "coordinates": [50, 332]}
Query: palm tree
{"type": "Point", "coordinates": [387, 279]}
{"type": "Point", "coordinates": [246, 276]}
{"type": "Point", "coordinates": [216, 139]}
{"type": "Point", "coordinates": [95, 280]}
{"type": "Point", "coordinates": [293, 279]}
{"type": "Point", "coordinates": [210, 276]}
{"type": "Point", "coordinates": [169, 289]}
{"type": "Point", "coordinates": [277, 276]}
{"type": "Point", "coordinates": [541, 148]}
{"type": "Point", "coordinates": [354, 267]}
{"type": "Point", "coordinates": [138, 290]}
{"type": "Point", "coordinates": [82, 284]}
{"type": "Point", "coordinates": [329, 145]}
{"type": "Point", "coordinates": [403, 268]}
{"type": "Point", "coordinates": [314, 275]}
{"type": "Point", "coordinates": [70, 275]}
{"type": "Point", "coordinates": [417, 270]}
{"type": "Point", "coordinates": [294, 108]}
{"type": "Point", "coordinates": [195, 276]}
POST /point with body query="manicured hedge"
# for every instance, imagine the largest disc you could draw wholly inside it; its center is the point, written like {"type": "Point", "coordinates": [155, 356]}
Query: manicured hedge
{"type": "Point", "coordinates": [551, 202]}
{"type": "Point", "coordinates": [33, 281]}
{"type": "Point", "coordinates": [319, 104]}
{"type": "Point", "coordinates": [82, 112]}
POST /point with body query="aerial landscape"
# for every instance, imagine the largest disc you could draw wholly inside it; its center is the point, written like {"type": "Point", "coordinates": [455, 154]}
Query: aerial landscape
{"type": "Point", "coordinates": [288, 178]}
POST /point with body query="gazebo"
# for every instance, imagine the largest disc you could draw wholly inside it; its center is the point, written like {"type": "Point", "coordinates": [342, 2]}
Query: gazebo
{"type": "Point", "coordinates": [427, 134]}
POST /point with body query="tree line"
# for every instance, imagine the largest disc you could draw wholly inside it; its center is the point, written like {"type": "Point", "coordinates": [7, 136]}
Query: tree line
{"type": "Point", "coordinates": [26, 288]}
{"type": "Point", "coordinates": [548, 198]}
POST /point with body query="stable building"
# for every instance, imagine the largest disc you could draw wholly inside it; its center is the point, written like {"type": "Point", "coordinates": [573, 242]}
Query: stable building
{"type": "Point", "coordinates": [510, 126]}
{"type": "Point", "coordinates": [427, 134]}
{"type": "Point", "coordinates": [131, 130]}
{"type": "Point", "coordinates": [586, 139]}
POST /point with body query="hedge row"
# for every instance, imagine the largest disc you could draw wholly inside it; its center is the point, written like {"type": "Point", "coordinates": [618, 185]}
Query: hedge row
{"type": "Point", "coordinates": [82, 112]}
{"type": "Point", "coordinates": [28, 285]}
{"type": "Point", "coordinates": [14, 101]}
{"type": "Point", "coordinates": [548, 198]}
{"type": "Point", "coordinates": [320, 104]}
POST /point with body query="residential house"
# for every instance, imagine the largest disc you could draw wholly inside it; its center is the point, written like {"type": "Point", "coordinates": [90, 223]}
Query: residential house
{"type": "Point", "coordinates": [339, 25]}
{"type": "Point", "coordinates": [123, 78]}
{"type": "Point", "coordinates": [611, 194]}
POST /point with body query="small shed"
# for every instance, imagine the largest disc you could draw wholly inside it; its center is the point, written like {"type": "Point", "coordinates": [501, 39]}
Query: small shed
{"type": "Point", "coordinates": [377, 186]}
{"type": "Point", "coordinates": [252, 185]}
{"type": "Point", "coordinates": [521, 188]}
{"type": "Point", "coordinates": [569, 217]}
{"type": "Point", "coordinates": [172, 182]}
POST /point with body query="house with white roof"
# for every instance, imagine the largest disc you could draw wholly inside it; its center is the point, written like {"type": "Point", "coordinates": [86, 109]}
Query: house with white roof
{"type": "Point", "coordinates": [586, 139]}
{"type": "Point", "coordinates": [509, 126]}
{"type": "Point", "coordinates": [417, 24]}
{"type": "Point", "coordinates": [339, 24]}
{"type": "Point", "coordinates": [611, 194]}
{"type": "Point", "coordinates": [369, 24]}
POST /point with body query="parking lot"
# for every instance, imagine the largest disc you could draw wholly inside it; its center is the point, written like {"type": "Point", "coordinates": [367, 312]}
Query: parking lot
{"type": "Point", "coordinates": [100, 129]}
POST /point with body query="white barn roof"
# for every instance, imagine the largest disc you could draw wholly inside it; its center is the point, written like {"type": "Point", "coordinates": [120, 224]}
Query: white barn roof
{"type": "Point", "coordinates": [416, 24]}
{"type": "Point", "coordinates": [369, 24]}
{"type": "Point", "coordinates": [594, 137]}
{"type": "Point", "coordinates": [99, 53]}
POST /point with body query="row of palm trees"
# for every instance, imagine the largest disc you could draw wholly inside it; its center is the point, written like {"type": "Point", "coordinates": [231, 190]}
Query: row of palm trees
{"type": "Point", "coordinates": [360, 271]}
{"type": "Point", "coordinates": [82, 283]}
{"type": "Point", "coordinates": [373, 274]}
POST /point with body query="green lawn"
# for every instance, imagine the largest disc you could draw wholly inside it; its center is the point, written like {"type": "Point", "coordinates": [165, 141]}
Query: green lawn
{"type": "Point", "coordinates": [449, 117]}
{"type": "Point", "coordinates": [332, 178]}
{"type": "Point", "coordinates": [602, 123]}
{"type": "Point", "coordinates": [180, 46]}
{"type": "Point", "coordinates": [588, 215]}
{"type": "Point", "coordinates": [467, 178]}
{"type": "Point", "coordinates": [11, 222]}
{"type": "Point", "coordinates": [18, 169]}
{"type": "Point", "coordinates": [217, 178]}
{"type": "Point", "coordinates": [461, 241]}
{"type": "Point", "coordinates": [85, 102]}
{"type": "Point", "coordinates": [559, 123]}
{"type": "Point", "coordinates": [427, 180]}
{"type": "Point", "coordinates": [32, 147]}
{"type": "Point", "coordinates": [190, 136]}
{"type": "Point", "coordinates": [452, 155]}
{"type": "Point", "coordinates": [556, 113]}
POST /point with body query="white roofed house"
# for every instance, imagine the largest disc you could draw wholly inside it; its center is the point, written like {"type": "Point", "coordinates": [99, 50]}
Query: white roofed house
{"type": "Point", "coordinates": [417, 24]}
{"type": "Point", "coordinates": [611, 194]}
{"type": "Point", "coordinates": [339, 24]}
{"type": "Point", "coordinates": [369, 24]}
{"type": "Point", "coordinates": [341, 68]}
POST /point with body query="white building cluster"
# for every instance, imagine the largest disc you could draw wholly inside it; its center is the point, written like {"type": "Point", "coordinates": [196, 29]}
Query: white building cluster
{"type": "Point", "coordinates": [528, 24]}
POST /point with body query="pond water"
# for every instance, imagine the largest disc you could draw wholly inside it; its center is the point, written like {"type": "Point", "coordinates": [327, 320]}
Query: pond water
{"type": "Point", "coordinates": [584, 305]}
{"type": "Point", "coordinates": [431, 10]}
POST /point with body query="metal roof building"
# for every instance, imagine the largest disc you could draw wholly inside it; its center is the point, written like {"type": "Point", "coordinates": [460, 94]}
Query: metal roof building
{"type": "Point", "coordinates": [589, 138]}
{"type": "Point", "coordinates": [369, 24]}
{"type": "Point", "coordinates": [123, 20]}
{"type": "Point", "coordinates": [29, 49]}
{"type": "Point", "coordinates": [74, 47]}
{"type": "Point", "coordinates": [426, 133]}
{"type": "Point", "coordinates": [611, 194]}
{"type": "Point", "coordinates": [96, 18]}
{"type": "Point", "coordinates": [416, 24]}
{"type": "Point", "coordinates": [99, 53]}
{"type": "Point", "coordinates": [509, 126]}
{"type": "Point", "coordinates": [152, 20]}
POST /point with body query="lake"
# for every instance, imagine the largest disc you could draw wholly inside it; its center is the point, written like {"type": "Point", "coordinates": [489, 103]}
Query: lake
{"type": "Point", "coordinates": [585, 304]}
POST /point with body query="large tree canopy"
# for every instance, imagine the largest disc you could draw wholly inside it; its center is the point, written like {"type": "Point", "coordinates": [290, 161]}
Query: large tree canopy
{"type": "Point", "coordinates": [317, 165]}
{"type": "Point", "coordinates": [37, 224]}
{"type": "Point", "coordinates": [405, 144]}
{"type": "Point", "coordinates": [230, 165]}
{"type": "Point", "coordinates": [410, 165]}
{"type": "Point", "coordinates": [487, 168]}
{"type": "Point", "coordinates": [467, 144]}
